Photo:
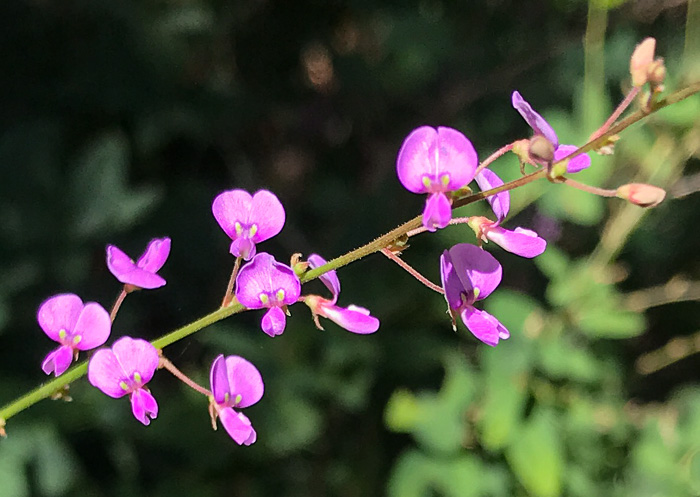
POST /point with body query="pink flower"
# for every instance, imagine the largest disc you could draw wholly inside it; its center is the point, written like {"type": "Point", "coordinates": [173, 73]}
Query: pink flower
{"type": "Point", "coordinates": [543, 128]}
{"type": "Point", "coordinates": [353, 318]}
{"type": "Point", "coordinates": [470, 274]}
{"type": "Point", "coordinates": [248, 220]}
{"type": "Point", "coordinates": [521, 241]}
{"type": "Point", "coordinates": [235, 383]}
{"type": "Point", "coordinates": [266, 283]}
{"type": "Point", "coordinates": [125, 369]}
{"type": "Point", "coordinates": [142, 273]}
{"type": "Point", "coordinates": [437, 162]}
{"type": "Point", "coordinates": [76, 326]}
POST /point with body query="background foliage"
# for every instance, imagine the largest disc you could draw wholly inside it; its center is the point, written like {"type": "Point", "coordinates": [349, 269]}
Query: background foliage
{"type": "Point", "coordinates": [121, 121]}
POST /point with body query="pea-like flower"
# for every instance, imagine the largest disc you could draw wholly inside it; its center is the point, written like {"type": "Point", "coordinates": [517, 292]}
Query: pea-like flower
{"type": "Point", "coordinates": [247, 219]}
{"type": "Point", "coordinates": [235, 383]}
{"type": "Point", "coordinates": [125, 369]}
{"type": "Point", "coordinates": [142, 273]}
{"type": "Point", "coordinates": [521, 241]}
{"type": "Point", "coordinates": [437, 162]}
{"type": "Point", "coordinates": [542, 128]}
{"type": "Point", "coordinates": [470, 274]}
{"type": "Point", "coordinates": [76, 326]}
{"type": "Point", "coordinates": [353, 318]}
{"type": "Point", "coordinates": [266, 283]}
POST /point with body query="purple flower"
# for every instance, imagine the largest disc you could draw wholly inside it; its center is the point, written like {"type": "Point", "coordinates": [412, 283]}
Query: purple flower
{"type": "Point", "coordinates": [521, 241]}
{"type": "Point", "coordinates": [353, 318]}
{"type": "Point", "coordinates": [235, 382]}
{"type": "Point", "coordinates": [142, 273]}
{"type": "Point", "coordinates": [470, 274]}
{"type": "Point", "coordinates": [76, 326]}
{"type": "Point", "coordinates": [542, 128]}
{"type": "Point", "coordinates": [124, 370]}
{"type": "Point", "coordinates": [436, 162]}
{"type": "Point", "coordinates": [266, 283]}
{"type": "Point", "coordinates": [248, 220]}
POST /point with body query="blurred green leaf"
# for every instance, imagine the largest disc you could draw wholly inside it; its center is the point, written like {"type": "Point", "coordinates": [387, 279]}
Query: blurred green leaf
{"type": "Point", "coordinates": [611, 322]}
{"type": "Point", "coordinates": [560, 358]}
{"type": "Point", "coordinates": [536, 455]}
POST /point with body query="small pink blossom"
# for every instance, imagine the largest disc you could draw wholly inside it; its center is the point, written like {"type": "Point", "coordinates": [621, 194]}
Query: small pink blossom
{"type": "Point", "coordinates": [125, 369]}
{"type": "Point", "coordinates": [235, 383]}
{"type": "Point", "coordinates": [142, 273]}
{"type": "Point", "coordinates": [247, 219]}
{"type": "Point", "coordinates": [437, 162]}
{"type": "Point", "coordinates": [76, 326]}
{"type": "Point", "coordinates": [353, 318]}
{"type": "Point", "coordinates": [264, 283]}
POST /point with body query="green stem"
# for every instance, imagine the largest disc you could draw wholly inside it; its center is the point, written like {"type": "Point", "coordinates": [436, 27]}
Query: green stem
{"type": "Point", "coordinates": [79, 370]}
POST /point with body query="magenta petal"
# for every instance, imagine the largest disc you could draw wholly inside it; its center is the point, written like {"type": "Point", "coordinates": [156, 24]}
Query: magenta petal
{"type": "Point", "coordinates": [244, 380]}
{"type": "Point", "coordinates": [522, 242]}
{"type": "Point", "coordinates": [58, 313]}
{"type": "Point", "coordinates": [93, 327]}
{"type": "Point", "coordinates": [118, 262]}
{"type": "Point", "coordinates": [536, 121]}
{"type": "Point", "coordinates": [456, 156]}
{"type": "Point", "coordinates": [500, 203]}
{"type": "Point", "coordinates": [578, 163]}
{"type": "Point", "coordinates": [268, 215]}
{"type": "Point", "coordinates": [243, 247]}
{"type": "Point", "coordinates": [274, 321]}
{"type": "Point", "coordinates": [238, 426]}
{"type": "Point", "coordinates": [451, 282]}
{"type": "Point", "coordinates": [330, 279]}
{"type": "Point", "coordinates": [155, 255]}
{"type": "Point", "coordinates": [264, 275]}
{"type": "Point", "coordinates": [105, 373]}
{"type": "Point", "coordinates": [58, 360]}
{"type": "Point", "coordinates": [484, 326]}
{"type": "Point", "coordinates": [144, 406]}
{"type": "Point", "coordinates": [476, 269]}
{"type": "Point", "coordinates": [218, 379]}
{"type": "Point", "coordinates": [136, 356]}
{"type": "Point", "coordinates": [126, 271]}
{"type": "Point", "coordinates": [438, 211]}
{"type": "Point", "coordinates": [230, 207]}
{"type": "Point", "coordinates": [355, 319]}
{"type": "Point", "coordinates": [416, 158]}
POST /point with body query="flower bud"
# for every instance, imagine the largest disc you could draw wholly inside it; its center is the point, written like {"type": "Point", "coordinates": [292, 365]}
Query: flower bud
{"type": "Point", "coordinates": [656, 72]}
{"type": "Point", "coordinates": [642, 194]}
{"type": "Point", "coordinates": [641, 59]}
{"type": "Point", "coordinates": [541, 149]}
{"type": "Point", "coordinates": [479, 224]}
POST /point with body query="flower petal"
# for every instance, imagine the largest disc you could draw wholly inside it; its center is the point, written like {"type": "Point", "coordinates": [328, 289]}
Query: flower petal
{"type": "Point", "coordinates": [238, 426]}
{"type": "Point", "coordinates": [417, 157]}
{"type": "Point", "coordinates": [456, 156]}
{"type": "Point", "coordinates": [143, 406]}
{"type": "Point", "coordinates": [274, 322]}
{"type": "Point", "coordinates": [60, 312]}
{"type": "Point", "coordinates": [330, 279]}
{"type": "Point", "coordinates": [533, 119]}
{"type": "Point", "coordinates": [58, 360]}
{"type": "Point", "coordinates": [265, 275]}
{"type": "Point", "coordinates": [500, 203]}
{"type": "Point", "coordinates": [578, 163]}
{"type": "Point", "coordinates": [136, 356]}
{"type": "Point", "coordinates": [93, 326]}
{"type": "Point", "coordinates": [484, 326]}
{"type": "Point", "coordinates": [268, 214]}
{"type": "Point", "coordinates": [126, 271]}
{"type": "Point", "coordinates": [355, 319]}
{"type": "Point", "coordinates": [106, 373]}
{"type": "Point", "coordinates": [522, 242]}
{"type": "Point", "coordinates": [451, 283]}
{"type": "Point", "coordinates": [230, 207]}
{"type": "Point", "coordinates": [218, 379]}
{"type": "Point", "coordinates": [243, 247]}
{"type": "Point", "coordinates": [156, 254]}
{"type": "Point", "coordinates": [437, 212]}
{"type": "Point", "coordinates": [245, 380]}
{"type": "Point", "coordinates": [476, 268]}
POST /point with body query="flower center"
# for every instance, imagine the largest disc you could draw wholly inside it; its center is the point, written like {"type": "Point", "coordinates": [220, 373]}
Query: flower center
{"type": "Point", "coordinates": [272, 299]}
{"type": "Point", "coordinates": [436, 184]}
{"type": "Point", "coordinates": [245, 231]}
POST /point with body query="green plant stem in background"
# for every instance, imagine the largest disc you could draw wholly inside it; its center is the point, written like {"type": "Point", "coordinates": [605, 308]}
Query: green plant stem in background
{"type": "Point", "coordinates": [48, 389]}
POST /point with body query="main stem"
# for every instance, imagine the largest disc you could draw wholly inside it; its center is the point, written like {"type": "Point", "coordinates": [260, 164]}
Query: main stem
{"type": "Point", "coordinates": [79, 370]}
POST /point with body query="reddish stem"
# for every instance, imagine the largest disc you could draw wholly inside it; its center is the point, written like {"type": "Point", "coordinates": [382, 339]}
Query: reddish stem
{"type": "Point", "coordinates": [117, 304]}
{"type": "Point", "coordinates": [494, 156]}
{"type": "Point", "coordinates": [615, 115]}
{"type": "Point", "coordinates": [165, 363]}
{"type": "Point", "coordinates": [588, 188]}
{"type": "Point", "coordinates": [412, 271]}
{"type": "Point", "coordinates": [228, 296]}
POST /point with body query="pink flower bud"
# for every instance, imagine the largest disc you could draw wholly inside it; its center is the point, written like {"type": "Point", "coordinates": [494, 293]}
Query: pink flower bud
{"type": "Point", "coordinates": [642, 194]}
{"type": "Point", "coordinates": [641, 59]}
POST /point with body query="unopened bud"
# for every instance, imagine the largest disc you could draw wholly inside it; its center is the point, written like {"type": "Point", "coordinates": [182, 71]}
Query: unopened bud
{"type": "Point", "coordinates": [656, 73]}
{"type": "Point", "coordinates": [641, 59]}
{"type": "Point", "coordinates": [642, 194]}
{"type": "Point", "coordinates": [480, 225]}
{"type": "Point", "coordinates": [541, 149]}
